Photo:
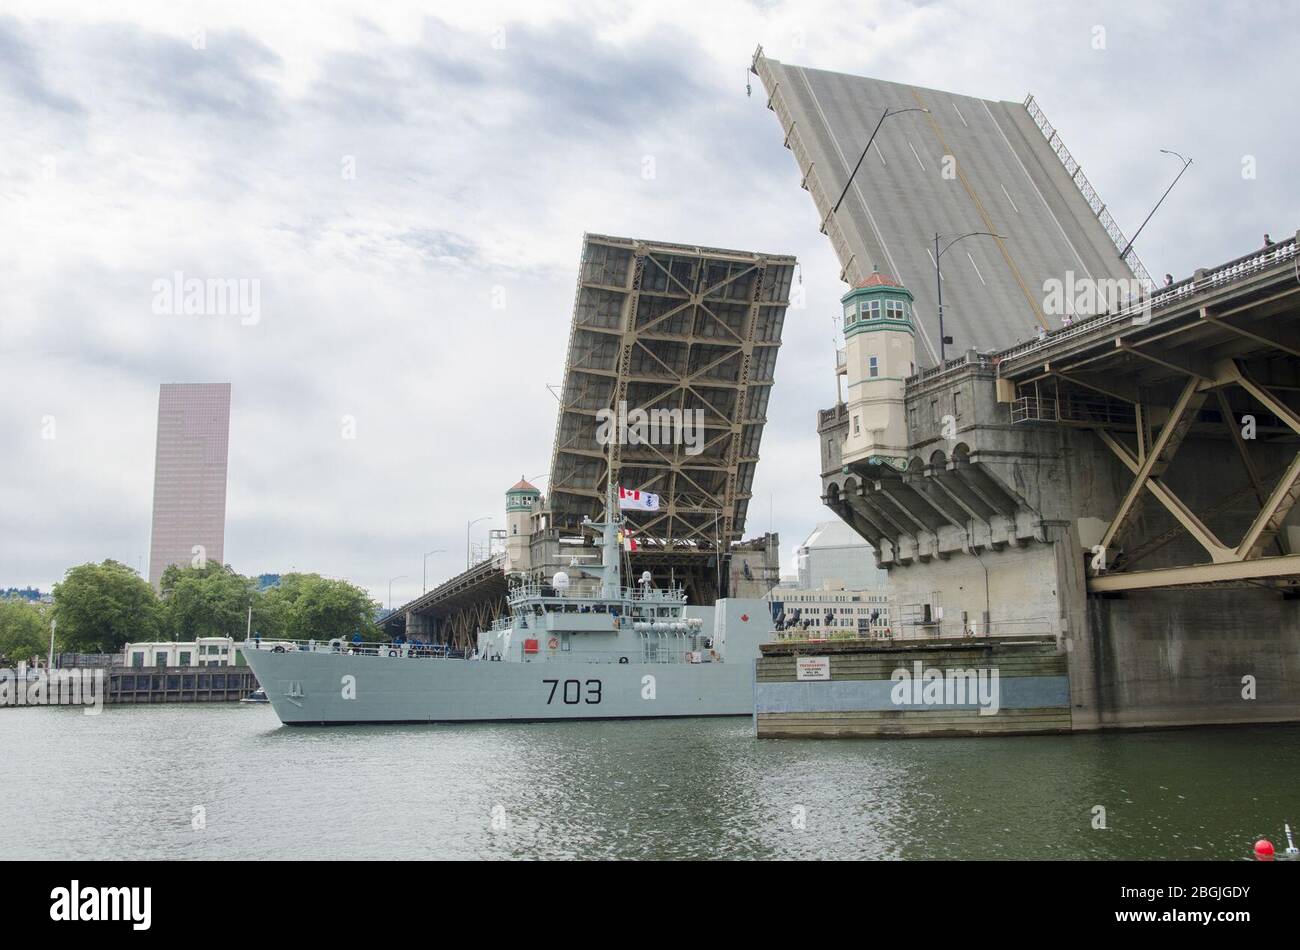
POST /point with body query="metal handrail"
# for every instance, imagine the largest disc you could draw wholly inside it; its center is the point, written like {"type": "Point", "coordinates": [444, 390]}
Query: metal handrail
{"type": "Point", "coordinates": [348, 648]}
{"type": "Point", "coordinates": [668, 649]}
{"type": "Point", "coordinates": [1175, 293]}
{"type": "Point", "coordinates": [1086, 190]}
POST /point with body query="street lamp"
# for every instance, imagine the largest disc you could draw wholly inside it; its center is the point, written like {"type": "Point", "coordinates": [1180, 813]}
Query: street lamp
{"type": "Point", "coordinates": [938, 279]}
{"type": "Point", "coordinates": [468, 525]}
{"type": "Point", "coordinates": [390, 588]}
{"type": "Point", "coordinates": [885, 115]}
{"type": "Point", "coordinates": [426, 565]}
{"type": "Point", "coordinates": [1123, 255]}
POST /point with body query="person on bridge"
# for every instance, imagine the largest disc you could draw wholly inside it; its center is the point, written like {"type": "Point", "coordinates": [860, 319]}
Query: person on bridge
{"type": "Point", "coordinates": [1169, 280]}
{"type": "Point", "coordinates": [1268, 241]}
{"type": "Point", "coordinates": [1042, 333]}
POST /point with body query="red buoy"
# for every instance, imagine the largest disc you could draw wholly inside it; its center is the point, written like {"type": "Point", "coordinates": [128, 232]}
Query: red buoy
{"type": "Point", "coordinates": [1263, 848]}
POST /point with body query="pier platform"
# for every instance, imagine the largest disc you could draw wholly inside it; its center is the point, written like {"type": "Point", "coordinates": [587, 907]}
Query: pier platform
{"type": "Point", "coordinates": [911, 688]}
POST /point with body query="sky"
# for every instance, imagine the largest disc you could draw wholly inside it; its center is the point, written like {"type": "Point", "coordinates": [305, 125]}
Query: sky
{"type": "Point", "coordinates": [409, 185]}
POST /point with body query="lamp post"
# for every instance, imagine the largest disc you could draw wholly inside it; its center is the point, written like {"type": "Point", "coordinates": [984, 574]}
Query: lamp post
{"type": "Point", "coordinates": [426, 565]}
{"type": "Point", "coordinates": [938, 279]}
{"type": "Point", "coordinates": [885, 115]}
{"type": "Point", "coordinates": [390, 588]}
{"type": "Point", "coordinates": [468, 525]}
{"type": "Point", "coordinates": [1123, 255]}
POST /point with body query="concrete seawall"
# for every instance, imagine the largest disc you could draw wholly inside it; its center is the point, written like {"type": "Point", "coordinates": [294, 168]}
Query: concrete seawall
{"type": "Point", "coordinates": [967, 687]}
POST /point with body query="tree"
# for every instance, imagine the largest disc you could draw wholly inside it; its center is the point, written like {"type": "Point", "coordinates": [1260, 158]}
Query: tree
{"type": "Point", "coordinates": [208, 601]}
{"type": "Point", "coordinates": [24, 630]}
{"type": "Point", "coordinates": [99, 607]}
{"type": "Point", "coordinates": [308, 606]}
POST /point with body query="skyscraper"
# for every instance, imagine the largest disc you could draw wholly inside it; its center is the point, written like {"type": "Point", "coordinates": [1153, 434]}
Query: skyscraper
{"type": "Point", "coordinates": [189, 482]}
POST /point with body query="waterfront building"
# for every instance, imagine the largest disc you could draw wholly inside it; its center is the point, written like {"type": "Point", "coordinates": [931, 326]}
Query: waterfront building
{"type": "Point", "coordinates": [189, 489]}
{"type": "Point", "coordinates": [203, 651]}
{"type": "Point", "coordinates": [835, 554]}
{"type": "Point", "coordinates": [830, 612]}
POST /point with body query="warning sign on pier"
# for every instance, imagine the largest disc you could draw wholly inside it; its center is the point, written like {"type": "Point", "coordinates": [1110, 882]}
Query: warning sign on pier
{"type": "Point", "coordinates": [812, 667]}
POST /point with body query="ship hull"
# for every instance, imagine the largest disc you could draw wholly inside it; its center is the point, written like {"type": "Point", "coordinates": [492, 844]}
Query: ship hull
{"type": "Point", "coordinates": [315, 688]}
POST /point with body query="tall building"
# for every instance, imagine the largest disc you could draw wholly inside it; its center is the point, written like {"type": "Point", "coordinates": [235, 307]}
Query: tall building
{"type": "Point", "coordinates": [835, 554]}
{"type": "Point", "coordinates": [189, 482]}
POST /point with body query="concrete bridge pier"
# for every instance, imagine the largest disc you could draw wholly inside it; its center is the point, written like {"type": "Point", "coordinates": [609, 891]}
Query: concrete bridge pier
{"type": "Point", "coordinates": [1128, 486]}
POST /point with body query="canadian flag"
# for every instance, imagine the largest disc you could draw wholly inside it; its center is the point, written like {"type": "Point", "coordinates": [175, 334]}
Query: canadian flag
{"type": "Point", "coordinates": [637, 500]}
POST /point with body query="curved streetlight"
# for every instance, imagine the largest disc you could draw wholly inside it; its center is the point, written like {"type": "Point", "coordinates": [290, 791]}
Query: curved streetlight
{"type": "Point", "coordinates": [426, 565]}
{"type": "Point", "coordinates": [468, 525]}
{"type": "Point", "coordinates": [390, 588]}
{"type": "Point", "coordinates": [1123, 255]}
{"type": "Point", "coordinates": [885, 115]}
{"type": "Point", "coordinates": [938, 278]}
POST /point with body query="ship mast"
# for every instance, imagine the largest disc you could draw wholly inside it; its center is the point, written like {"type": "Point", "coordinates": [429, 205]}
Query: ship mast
{"type": "Point", "coordinates": [611, 557]}
{"type": "Point", "coordinates": [610, 568]}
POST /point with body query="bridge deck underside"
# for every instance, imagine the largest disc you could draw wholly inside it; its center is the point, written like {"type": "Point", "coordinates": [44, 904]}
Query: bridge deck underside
{"type": "Point", "coordinates": [681, 334]}
{"type": "Point", "coordinates": [456, 610]}
{"type": "Point", "coordinates": [1221, 372]}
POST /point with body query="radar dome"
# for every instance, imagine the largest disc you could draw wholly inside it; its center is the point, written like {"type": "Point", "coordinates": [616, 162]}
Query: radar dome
{"type": "Point", "coordinates": [560, 581]}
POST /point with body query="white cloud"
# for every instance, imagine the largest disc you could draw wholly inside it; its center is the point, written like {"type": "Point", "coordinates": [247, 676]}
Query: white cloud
{"type": "Point", "coordinates": [478, 167]}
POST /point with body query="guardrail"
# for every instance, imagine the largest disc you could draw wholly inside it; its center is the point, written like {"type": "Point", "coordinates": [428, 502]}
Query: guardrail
{"type": "Point", "coordinates": [1203, 280]}
{"type": "Point", "coordinates": [950, 367]}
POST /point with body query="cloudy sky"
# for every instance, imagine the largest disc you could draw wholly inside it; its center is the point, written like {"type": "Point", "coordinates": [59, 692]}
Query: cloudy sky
{"type": "Point", "coordinates": [385, 169]}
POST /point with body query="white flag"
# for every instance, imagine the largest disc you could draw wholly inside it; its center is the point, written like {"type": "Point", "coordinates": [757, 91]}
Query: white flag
{"type": "Point", "coordinates": [637, 500]}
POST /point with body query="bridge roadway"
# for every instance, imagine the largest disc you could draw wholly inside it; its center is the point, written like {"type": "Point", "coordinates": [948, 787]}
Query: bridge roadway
{"type": "Point", "coordinates": [965, 164]}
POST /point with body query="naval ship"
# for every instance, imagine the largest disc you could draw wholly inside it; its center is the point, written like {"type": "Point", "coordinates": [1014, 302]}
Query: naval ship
{"type": "Point", "coordinates": [564, 651]}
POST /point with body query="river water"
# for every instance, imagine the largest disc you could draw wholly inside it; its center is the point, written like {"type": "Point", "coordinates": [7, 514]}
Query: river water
{"type": "Point", "coordinates": [229, 782]}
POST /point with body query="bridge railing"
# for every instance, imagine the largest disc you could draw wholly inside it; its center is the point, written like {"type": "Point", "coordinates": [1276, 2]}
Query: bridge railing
{"type": "Point", "coordinates": [1176, 293]}
{"type": "Point", "coordinates": [949, 367]}
{"type": "Point", "coordinates": [1073, 169]}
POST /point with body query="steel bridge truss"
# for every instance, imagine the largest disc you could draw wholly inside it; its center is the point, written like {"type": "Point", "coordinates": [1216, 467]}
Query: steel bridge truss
{"type": "Point", "coordinates": [1198, 373]}
{"type": "Point", "coordinates": [683, 334]}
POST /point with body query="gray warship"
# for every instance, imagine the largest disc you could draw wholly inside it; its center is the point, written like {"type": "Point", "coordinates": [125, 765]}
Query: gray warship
{"type": "Point", "coordinates": [586, 649]}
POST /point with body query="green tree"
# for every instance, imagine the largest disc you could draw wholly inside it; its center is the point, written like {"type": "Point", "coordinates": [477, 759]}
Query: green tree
{"type": "Point", "coordinates": [308, 606]}
{"type": "Point", "coordinates": [99, 607]}
{"type": "Point", "coordinates": [208, 601]}
{"type": "Point", "coordinates": [24, 630]}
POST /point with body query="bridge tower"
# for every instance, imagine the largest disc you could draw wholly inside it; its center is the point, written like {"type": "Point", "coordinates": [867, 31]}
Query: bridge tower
{"type": "Point", "coordinates": [521, 504]}
{"type": "Point", "coordinates": [880, 354]}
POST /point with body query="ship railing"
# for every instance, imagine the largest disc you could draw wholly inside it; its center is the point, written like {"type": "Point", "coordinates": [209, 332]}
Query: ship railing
{"type": "Point", "coordinates": [365, 648]}
{"type": "Point", "coordinates": [666, 597]}
{"type": "Point", "coordinates": [664, 656]}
